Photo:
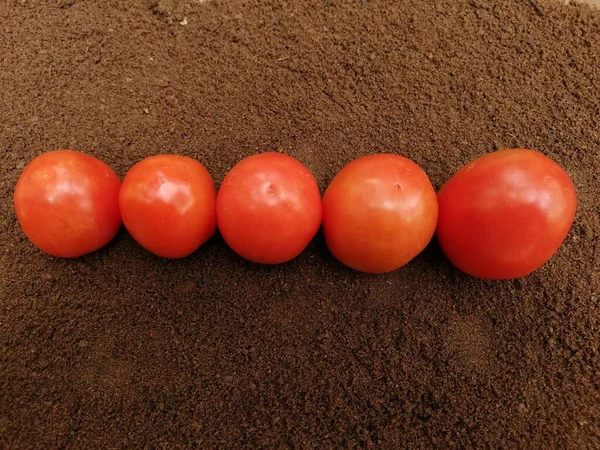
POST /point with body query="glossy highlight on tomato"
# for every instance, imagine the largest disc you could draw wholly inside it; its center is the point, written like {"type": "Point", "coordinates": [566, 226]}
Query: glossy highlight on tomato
{"type": "Point", "coordinates": [269, 208]}
{"type": "Point", "coordinates": [505, 214]}
{"type": "Point", "coordinates": [379, 212]}
{"type": "Point", "coordinates": [67, 203]}
{"type": "Point", "coordinates": [168, 205]}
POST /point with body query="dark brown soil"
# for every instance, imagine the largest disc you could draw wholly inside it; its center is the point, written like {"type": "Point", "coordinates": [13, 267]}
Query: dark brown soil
{"type": "Point", "coordinates": [121, 349]}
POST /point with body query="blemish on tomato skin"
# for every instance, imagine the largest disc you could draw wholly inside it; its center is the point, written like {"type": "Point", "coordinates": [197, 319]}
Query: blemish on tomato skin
{"type": "Point", "coordinates": [470, 167]}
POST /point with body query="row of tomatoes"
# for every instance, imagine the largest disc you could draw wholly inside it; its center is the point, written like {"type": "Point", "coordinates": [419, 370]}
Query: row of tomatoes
{"type": "Point", "coordinates": [501, 216]}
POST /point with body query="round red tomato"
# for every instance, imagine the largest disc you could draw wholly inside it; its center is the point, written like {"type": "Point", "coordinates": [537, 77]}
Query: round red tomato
{"type": "Point", "coordinates": [379, 212]}
{"type": "Point", "coordinates": [269, 208]}
{"type": "Point", "coordinates": [168, 205]}
{"type": "Point", "coordinates": [67, 203]}
{"type": "Point", "coordinates": [505, 214]}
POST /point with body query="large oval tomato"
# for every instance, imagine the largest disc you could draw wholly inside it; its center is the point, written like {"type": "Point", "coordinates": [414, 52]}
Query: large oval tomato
{"type": "Point", "coordinates": [269, 208]}
{"type": "Point", "coordinates": [505, 214]}
{"type": "Point", "coordinates": [168, 205]}
{"type": "Point", "coordinates": [67, 203]}
{"type": "Point", "coordinates": [379, 212]}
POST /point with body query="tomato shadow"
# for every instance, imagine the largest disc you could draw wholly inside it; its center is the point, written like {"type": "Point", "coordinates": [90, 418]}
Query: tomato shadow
{"type": "Point", "coordinates": [466, 292]}
{"type": "Point", "coordinates": [435, 259]}
{"type": "Point", "coordinates": [319, 250]}
{"type": "Point", "coordinates": [112, 248]}
{"type": "Point", "coordinates": [216, 249]}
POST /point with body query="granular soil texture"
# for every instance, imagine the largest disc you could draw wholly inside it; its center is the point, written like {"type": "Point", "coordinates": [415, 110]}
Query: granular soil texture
{"type": "Point", "coordinates": [121, 349]}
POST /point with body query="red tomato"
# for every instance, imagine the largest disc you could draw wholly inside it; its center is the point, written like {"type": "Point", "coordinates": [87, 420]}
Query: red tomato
{"type": "Point", "coordinates": [505, 214]}
{"type": "Point", "coordinates": [269, 208]}
{"type": "Point", "coordinates": [67, 203]}
{"type": "Point", "coordinates": [168, 205]}
{"type": "Point", "coordinates": [379, 212]}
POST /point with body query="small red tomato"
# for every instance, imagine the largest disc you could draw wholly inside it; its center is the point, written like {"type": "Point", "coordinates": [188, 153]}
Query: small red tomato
{"type": "Point", "coordinates": [269, 208]}
{"type": "Point", "coordinates": [168, 205]}
{"type": "Point", "coordinates": [505, 214]}
{"type": "Point", "coordinates": [379, 212]}
{"type": "Point", "coordinates": [67, 203]}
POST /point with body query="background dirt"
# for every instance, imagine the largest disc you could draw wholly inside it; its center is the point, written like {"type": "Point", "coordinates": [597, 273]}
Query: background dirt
{"type": "Point", "coordinates": [121, 349]}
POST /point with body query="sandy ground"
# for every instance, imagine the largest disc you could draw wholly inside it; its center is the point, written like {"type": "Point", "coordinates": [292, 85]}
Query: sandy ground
{"type": "Point", "coordinates": [589, 2]}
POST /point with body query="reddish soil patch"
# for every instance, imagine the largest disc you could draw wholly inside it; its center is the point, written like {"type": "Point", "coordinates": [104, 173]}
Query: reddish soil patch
{"type": "Point", "coordinates": [121, 349]}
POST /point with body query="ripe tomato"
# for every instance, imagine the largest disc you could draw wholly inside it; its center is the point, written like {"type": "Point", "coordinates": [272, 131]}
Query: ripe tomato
{"type": "Point", "coordinates": [67, 203]}
{"type": "Point", "coordinates": [505, 214]}
{"type": "Point", "coordinates": [168, 205]}
{"type": "Point", "coordinates": [269, 208]}
{"type": "Point", "coordinates": [379, 212]}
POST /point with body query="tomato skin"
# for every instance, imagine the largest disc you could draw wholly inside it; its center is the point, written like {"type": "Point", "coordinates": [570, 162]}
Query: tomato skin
{"type": "Point", "coordinates": [168, 205]}
{"type": "Point", "coordinates": [379, 212]}
{"type": "Point", "coordinates": [269, 208]}
{"type": "Point", "coordinates": [67, 203]}
{"type": "Point", "coordinates": [505, 214]}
